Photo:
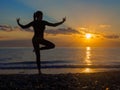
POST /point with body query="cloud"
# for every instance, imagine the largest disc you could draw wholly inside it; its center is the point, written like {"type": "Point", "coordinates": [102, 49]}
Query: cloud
{"type": "Point", "coordinates": [111, 36]}
{"type": "Point", "coordinates": [5, 28]}
{"type": "Point", "coordinates": [64, 31]}
{"type": "Point", "coordinates": [83, 28]}
{"type": "Point", "coordinates": [104, 26]}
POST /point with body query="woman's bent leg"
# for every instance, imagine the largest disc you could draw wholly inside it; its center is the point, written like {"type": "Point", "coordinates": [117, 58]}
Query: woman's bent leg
{"type": "Point", "coordinates": [47, 45]}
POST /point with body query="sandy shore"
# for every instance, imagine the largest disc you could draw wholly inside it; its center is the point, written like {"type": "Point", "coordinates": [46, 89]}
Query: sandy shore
{"type": "Point", "coordinates": [78, 81]}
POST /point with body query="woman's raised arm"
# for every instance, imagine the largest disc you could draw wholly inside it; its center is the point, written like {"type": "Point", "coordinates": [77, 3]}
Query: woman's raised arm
{"type": "Point", "coordinates": [56, 24]}
{"type": "Point", "coordinates": [23, 26]}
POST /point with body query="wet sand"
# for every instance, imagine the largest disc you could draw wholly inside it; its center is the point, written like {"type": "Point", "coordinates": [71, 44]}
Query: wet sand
{"type": "Point", "coordinates": [77, 81]}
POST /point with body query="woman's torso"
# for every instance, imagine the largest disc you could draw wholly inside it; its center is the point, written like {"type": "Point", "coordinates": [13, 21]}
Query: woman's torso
{"type": "Point", "coordinates": [39, 27]}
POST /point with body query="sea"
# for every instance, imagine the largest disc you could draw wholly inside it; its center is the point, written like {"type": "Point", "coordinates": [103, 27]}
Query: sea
{"type": "Point", "coordinates": [22, 60]}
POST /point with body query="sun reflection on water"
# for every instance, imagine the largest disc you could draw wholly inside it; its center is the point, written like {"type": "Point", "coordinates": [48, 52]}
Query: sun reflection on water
{"type": "Point", "coordinates": [88, 56]}
{"type": "Point", "coordinates": [88, 61]}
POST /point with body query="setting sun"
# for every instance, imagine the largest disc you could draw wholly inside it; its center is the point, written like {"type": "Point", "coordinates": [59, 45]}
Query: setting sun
{"type": "Point", "coordinates": [88, 35]}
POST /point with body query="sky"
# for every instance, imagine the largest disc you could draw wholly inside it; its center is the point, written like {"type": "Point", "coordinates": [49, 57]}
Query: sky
{"type": "Point", "coordinates": [100, 18]}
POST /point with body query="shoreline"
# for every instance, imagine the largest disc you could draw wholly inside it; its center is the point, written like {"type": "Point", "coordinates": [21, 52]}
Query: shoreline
{"type": "Point", "coordinates": [57, 71]}
{"type": "Point", "coordinates": [69, 81]}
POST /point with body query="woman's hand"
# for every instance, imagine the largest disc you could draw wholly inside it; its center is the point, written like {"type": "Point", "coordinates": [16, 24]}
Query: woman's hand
{"type": "Point", "coordinates": [64, 19]}
{"type": "Point", "coordinates": [18, 22]}
{"type": "Point", "coordinates": [18, 19]}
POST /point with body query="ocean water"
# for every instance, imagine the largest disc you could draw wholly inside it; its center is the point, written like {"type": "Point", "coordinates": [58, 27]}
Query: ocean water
{"type": "Point", "coordinates": [59, 60]}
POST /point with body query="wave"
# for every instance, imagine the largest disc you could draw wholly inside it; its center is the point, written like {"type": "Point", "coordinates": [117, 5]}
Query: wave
{"type": "Point", "coordinates": [58, 66]}
{"type": "Point", "coordinates": [5, 59]}
{"type": "Point", "coordinates": [33, 62]}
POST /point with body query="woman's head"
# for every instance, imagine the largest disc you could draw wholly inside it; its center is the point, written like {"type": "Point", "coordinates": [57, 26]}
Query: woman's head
{"type": "Point", "coordinates": [38, 15]}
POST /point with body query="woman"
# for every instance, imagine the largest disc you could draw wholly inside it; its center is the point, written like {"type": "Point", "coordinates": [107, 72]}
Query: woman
{"type": "Point", "coordinates": [39, 26]}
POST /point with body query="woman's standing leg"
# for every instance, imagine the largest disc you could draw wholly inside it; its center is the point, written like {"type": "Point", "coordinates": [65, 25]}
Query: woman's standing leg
{"type": "Point", "coordinates": [37, 53]}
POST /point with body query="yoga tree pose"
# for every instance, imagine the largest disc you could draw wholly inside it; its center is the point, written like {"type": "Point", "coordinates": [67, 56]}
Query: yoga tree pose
{"type": "Point", "coordinates": [38, 25]}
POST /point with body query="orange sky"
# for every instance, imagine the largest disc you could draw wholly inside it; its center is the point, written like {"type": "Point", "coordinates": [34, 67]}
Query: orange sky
{"type": "Point", "coordinates": [23, 38]}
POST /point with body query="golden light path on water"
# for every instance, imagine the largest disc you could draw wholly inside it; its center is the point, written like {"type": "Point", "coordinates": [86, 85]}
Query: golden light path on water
{"type": "Point", "coordinates": [88, 61]}
{"type": "Point", "coordinates": [88, 56]}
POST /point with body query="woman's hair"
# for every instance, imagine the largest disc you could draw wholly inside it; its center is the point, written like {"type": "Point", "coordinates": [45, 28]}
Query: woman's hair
{"type": "Point", "coordinates": [37, 14]}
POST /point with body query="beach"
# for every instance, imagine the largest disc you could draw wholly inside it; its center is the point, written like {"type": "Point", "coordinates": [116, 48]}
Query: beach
{"type": "Point", "coordinates": [69, 81]}
{"type": "Point", "coordinates": [63, 69]}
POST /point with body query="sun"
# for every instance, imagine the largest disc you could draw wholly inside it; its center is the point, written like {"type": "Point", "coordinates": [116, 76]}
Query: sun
{"type": "Point", "coordinates": [88, 35]}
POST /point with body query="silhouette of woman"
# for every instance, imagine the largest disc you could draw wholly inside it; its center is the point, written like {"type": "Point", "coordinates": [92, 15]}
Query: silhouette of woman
{"type": "Point", "coordinates": [39, 26]}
